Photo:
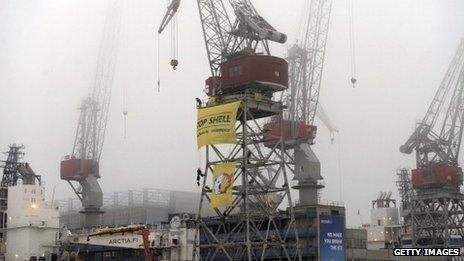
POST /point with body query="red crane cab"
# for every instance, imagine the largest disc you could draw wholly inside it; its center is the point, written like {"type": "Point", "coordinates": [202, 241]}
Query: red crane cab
{"type": "Point", "coordinates": [302, 132]}
{"type": "Point", "coordinates": [437, 176]}
{"type": "Point", "coordinates": [78, 169]}
{"type": "Point", "coordinates": [262, 73]}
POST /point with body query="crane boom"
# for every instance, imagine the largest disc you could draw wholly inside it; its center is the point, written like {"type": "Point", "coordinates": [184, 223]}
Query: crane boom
{"type": "Point", "coordinates": [306, 63]}
{"type": "Point", "coordinates": [442, 147]}
{"type": "Point", "coordinates": [83, 164]}
{"type": "Point", "coordinates": [223, 38]}
{"type": "Point", "coordinates": [215, 23]}
{"type": "Point", "coordinates": [90, 134]}
{"type": "Point", "coordinates": [170, 12]}
{"type": "Point", "coordinates": [322, 115]}
{"type": "Point", "coordinates": [425, 127]}
{"type": "Point", "coordinates": [259, 28]}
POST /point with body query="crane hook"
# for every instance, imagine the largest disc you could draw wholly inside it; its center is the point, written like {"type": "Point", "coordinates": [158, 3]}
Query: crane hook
{"type": "Point", "coordinates": [353, 81]}
{"type": "Point", "coordinates": [174, 63]}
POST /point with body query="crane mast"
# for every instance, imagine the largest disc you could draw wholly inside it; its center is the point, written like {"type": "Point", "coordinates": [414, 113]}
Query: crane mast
{"type": "Point", "coordinates": [437, 178]}
{"type": "Point", "coordinates": [215, 23]}
{"type": "Point", "coordinates": [306, 63]}
{"type": "Point", "coordinates": [90, 135]}
{"type": "Point", "coordinates": [82, 166]}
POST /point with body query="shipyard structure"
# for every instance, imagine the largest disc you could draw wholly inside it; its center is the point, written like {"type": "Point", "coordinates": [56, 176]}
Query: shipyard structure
{"type": "Point", "coordinates": [145, 206]}
{"type": "Point", "coordinates": [29, 226]}
{"type": "Point", "coordinates": [255, 131]}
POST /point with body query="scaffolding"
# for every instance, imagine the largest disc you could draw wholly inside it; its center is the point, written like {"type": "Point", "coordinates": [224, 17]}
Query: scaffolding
{"type": "Point", "coordinates": [404, 187]}
{"type": "Point", "coordinates": [253, 227]}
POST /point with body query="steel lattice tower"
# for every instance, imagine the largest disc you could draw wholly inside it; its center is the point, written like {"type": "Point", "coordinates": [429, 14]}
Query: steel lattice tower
{"type": "Point", "coordinates": [10, 169]}
{"type": "Point", "coordinates": [14, 169]}
{"type": "Point", "coordinates": [437, 208]}
{"type": "Point", "coordinates": [406, 193]}
{"type": "Point", "coordinates": [404, 187]}
{"type": "Point", "coordinates": [254, 227]}
{"type": "Point", "coordinates": [437, 215]}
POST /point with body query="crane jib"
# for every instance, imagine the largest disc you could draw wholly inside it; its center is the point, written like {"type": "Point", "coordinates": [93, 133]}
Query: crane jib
{"type": "Point", "coordinates": [437, 146]}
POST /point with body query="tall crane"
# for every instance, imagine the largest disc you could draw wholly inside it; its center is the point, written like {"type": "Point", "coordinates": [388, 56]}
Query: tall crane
{"type": "Point", "coordinates": [82, 166]}
{"type": "Point", "coordinates": [438, 176]}
{"type": "Point", "coordinates": [440, 149]}
{"type": "Point", "coordinates": [306, 64]}
{"type": "Point", "coordinates": [243, 70]}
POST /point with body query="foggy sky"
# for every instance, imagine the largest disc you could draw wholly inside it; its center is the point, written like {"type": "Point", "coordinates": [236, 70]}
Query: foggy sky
{"type": "Point", "coordinates": [48, 53]}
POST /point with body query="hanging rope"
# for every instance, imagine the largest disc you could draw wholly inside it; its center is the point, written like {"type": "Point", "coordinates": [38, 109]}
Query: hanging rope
{"type": "Point", "coordinates": [199, 158]}
{"type": "Point", "coordinates": [158, 63]}
{"type": "Point", "coordinates": [170, 16]}
{"type": "Point", "coordinates": [339, 169]}
{"type": "Point", "coordinates": [352, 42]}
{"type": "Point", "coordinates": [174, 42]}
{"type": "Point", "coordinates": [130, 12]}
{"type": "Point", "coordinates": [198, 106]}
{"type": "Point", "coordinates": [125, 111]}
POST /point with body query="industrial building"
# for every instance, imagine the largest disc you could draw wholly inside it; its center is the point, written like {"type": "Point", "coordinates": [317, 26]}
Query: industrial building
{"type": "Point", "coordinates": [384, 229]}
{"type": "Point", "coordinates": [146, 206]}
{"type": "Point", "coordinates": [33, 225]}
{"type": "Point", "coordinates": [309, 221]}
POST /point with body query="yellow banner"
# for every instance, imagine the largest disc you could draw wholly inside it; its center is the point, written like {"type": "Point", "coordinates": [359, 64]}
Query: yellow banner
{"type": "Point", "coordinates": [223, 181]}
{"type": "Point", "coordinates": [216, 125]}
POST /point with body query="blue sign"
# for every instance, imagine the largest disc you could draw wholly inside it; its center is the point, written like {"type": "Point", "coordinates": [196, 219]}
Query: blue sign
{"type": "Point", "coordinates": [331, 238]}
